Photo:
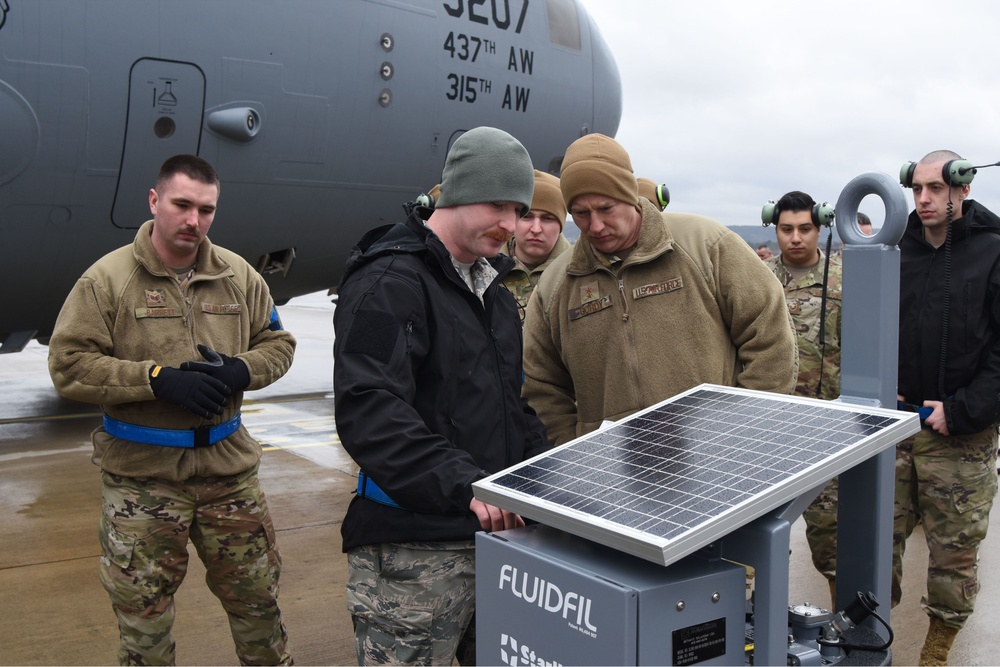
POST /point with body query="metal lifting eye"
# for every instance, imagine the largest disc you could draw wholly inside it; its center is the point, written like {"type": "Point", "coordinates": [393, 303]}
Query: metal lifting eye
{"type": "Point", "coordinates": [387, 42]}
{"type": "Point", "coordinates": [385, 97]}
{"type": "Point", "coordinates": [386, 71]}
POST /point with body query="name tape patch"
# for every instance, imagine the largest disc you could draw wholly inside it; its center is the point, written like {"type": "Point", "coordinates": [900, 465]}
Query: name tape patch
{"type": "Point", "coordinates": [141, 313]}
{"type": "Point", "coordinates": [590, 307]}
{"type": "Point", "coordinates": [222, 309]}
{"type": "Point", "coordinates": [653, 289]}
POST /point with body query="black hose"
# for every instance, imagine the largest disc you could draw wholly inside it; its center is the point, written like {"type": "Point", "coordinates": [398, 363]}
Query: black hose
{"type": "Point", "coordinates": [822, 315]}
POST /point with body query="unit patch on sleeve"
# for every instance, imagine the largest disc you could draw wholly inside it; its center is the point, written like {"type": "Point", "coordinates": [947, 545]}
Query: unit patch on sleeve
{"type": "Point", "coordinates": [653, 289]}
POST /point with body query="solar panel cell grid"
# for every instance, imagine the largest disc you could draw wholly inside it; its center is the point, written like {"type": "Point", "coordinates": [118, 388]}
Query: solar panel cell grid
{"type": "Point", "coordinates": [688, 461]}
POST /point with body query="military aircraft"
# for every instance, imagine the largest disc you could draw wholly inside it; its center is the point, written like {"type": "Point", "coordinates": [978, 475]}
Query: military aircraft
{"type": "Point", "coordinates": [322, 117]}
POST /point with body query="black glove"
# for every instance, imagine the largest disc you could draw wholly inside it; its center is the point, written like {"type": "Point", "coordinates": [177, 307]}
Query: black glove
{"type": "Point", "coordinates": [231, 371]}
{"type": "Point", "coordinates": [196, 392]}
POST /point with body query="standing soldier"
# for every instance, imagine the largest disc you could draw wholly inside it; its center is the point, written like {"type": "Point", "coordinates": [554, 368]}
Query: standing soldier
{"type": "Point", "coordinates": [949, 370]}
{"type": "Point", "coordinates": [166, 334]}
{"type": "Point", "coordinates": [646, 305]}
{"type": "Point", "coordinates": [812, 282]}
{"type": "Point", "coordinates": [427, 377]}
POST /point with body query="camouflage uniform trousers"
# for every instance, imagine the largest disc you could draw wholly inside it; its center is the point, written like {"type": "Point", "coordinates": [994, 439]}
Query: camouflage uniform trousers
{"type": "Point", "coordinates": [821, 530]}
{"type": "Point", "coordinates": [144, 531]}
{"type": "Point", "coordinates": [412, 603]}
{"type": "Point", "coordinates": [948, 483]}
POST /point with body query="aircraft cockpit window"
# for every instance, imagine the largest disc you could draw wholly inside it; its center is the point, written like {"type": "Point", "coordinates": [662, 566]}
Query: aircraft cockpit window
{"type": "Point", "coordinates": [564, 23]}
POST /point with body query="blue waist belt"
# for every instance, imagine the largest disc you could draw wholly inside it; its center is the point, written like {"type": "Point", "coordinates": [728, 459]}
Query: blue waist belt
{"type": "Point", "coordinates": [919, 409]}
{"type": "Point", "coordinates": [167, 437]}
{"type": "Point", "coordinates": [369, 489]}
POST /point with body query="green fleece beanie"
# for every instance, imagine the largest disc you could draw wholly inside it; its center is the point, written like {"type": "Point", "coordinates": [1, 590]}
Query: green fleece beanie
{"type": "Point", "coordinates": [598, 165]}
{"type": "Point", "coordinates": [487, 165]}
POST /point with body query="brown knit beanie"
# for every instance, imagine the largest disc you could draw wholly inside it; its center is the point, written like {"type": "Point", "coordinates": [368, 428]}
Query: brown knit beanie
{"type": "Point", "coordinates": [647, 189]}
{"type": "Point", "coordinates": [598, 165]}
{"type": "Point", "coordinates": [548, 196]}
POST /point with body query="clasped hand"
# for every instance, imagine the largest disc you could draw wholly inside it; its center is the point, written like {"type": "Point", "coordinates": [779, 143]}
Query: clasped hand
{"type": "Point", "coordinates": [201, 387]}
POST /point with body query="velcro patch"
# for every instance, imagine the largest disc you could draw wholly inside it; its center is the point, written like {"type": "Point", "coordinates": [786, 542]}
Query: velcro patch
{"type": "Point", "coordinates": [590, 292]}
{"type": "Point", "coordinates": [373, 333]}
{"type": "Point", "coordinates": [141, 313]}
{"type": "Point", "coordinates": [591, 307]}
{"type": "Point", "coordinates": [155, 298]}
{"type": "Point", "coordinates": [222, 308]}
{"type": "Point", "coordinates": [653, 289]}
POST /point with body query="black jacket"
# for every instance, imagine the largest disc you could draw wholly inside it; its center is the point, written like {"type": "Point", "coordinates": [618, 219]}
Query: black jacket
{"type": "Point", "coordinates": [972, 364]}
{"type": "Point", "coordinates": [427, 384]}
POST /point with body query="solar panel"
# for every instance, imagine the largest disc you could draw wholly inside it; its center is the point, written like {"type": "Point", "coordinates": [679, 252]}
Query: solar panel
{"type": "Point", "coordinates": [670, 479]}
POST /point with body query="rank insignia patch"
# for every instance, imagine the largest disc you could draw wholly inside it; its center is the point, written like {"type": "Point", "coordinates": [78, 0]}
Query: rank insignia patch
{"type": "Point", "coordinates": [155, 298]}
{"type": "Point", "coordinates": [590, 292]}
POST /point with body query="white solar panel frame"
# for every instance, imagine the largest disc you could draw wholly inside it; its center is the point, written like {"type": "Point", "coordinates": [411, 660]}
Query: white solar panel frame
{"type": "Point", "coordinates": [668, 550]}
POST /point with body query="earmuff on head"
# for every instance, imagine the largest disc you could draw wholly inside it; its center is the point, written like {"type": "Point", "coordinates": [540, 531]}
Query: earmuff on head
{"type": "Point", "coordinates": [662, 196]}
{"type": "Point", "coordinates": [822, 214]}
{"type": "Point", "coordinates": [953, 172]}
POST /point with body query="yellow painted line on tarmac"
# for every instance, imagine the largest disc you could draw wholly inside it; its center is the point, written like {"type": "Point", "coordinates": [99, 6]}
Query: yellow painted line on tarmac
{"type": "Point", "coordinates": [50, 418]}
{"type": "Point", "coordinates": [270, 448]}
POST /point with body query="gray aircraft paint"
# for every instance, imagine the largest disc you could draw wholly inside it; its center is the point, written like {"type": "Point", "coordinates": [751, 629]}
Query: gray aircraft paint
{"type": "Point", "coordinates": [321, 117]}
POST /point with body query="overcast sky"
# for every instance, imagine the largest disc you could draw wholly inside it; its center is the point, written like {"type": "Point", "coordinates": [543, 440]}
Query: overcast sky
{"type": "Point", "coordinates": [732, 103]}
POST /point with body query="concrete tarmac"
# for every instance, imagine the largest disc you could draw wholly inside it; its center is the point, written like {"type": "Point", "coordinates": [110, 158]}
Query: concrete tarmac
{"type": "Point", "coordinates": [53, 610]}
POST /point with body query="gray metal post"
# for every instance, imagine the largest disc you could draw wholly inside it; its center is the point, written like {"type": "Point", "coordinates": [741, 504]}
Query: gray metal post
{"type": "Point", "coordinates": [869, 356]}
{"type": "Point", "coordinates": [763, 543]}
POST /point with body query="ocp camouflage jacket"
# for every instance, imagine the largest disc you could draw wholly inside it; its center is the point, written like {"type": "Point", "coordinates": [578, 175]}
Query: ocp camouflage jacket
{"type": "Point", "coordinates": [521, 281]}
{"type": "Point", "coordinates": [805, 305]}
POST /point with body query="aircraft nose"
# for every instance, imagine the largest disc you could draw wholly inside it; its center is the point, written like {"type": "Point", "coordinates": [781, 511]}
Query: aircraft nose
{"type": "Point", "coordinates": [607, 85]}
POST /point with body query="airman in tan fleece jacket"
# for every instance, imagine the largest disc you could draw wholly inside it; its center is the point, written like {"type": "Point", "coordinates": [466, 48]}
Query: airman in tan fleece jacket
{"type": "Point", "coordinates": [646, 305]}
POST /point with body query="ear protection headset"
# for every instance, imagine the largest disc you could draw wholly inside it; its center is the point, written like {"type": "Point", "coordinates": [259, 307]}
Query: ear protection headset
{"type": "Point", "coordinates": [954, 173]}
{"type": "Point", "coordinates": [662, 196]}
{"type": "Point", "coordinates": [426, 200]}
{"type": "Point", "coordinates": [822, 214]}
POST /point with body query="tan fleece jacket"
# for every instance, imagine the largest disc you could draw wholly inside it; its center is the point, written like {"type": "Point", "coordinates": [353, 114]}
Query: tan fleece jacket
{"type": "Point", "coordinates": [128, 313]}
{"type": "Point", "coordinates": [692, 303]}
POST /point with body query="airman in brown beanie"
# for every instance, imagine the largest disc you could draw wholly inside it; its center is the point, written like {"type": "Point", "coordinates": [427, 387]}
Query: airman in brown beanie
{"type": "Point", "coordinates": [537, 239]}
{"type": "Point", "coordinates": [645, 305]}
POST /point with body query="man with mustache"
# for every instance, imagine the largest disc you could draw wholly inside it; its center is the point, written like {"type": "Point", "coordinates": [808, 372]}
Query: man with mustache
{"type": "Point", "coordinates": [427, 376]}
{"type": "Point", "coordinates": [176, 461]}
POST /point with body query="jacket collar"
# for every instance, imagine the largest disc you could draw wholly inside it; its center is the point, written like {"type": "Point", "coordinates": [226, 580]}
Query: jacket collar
{"type": "Point", "coordinates": [561, 246]}
{"type": "Point", "coordinates": [975, 218]}
{"type": "Point", "coordinates": [655, 239]}
{"type": "Point", "coordinates": [412, 237]}
{"type": "Point", "coordinates": [209, 264]}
